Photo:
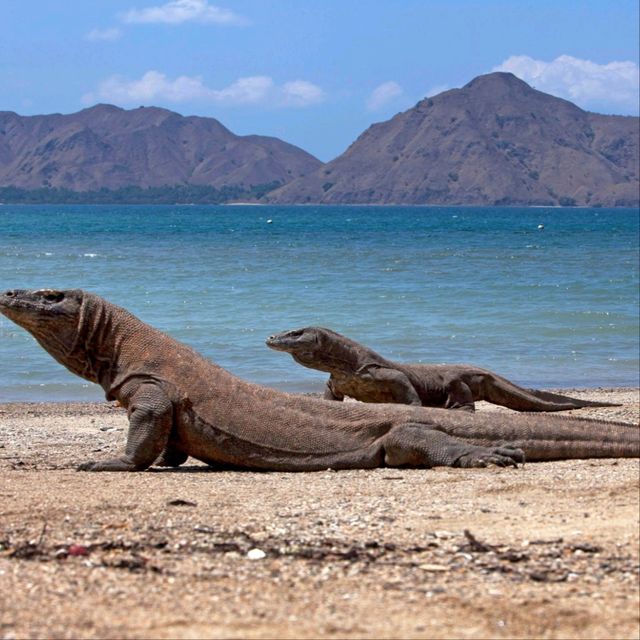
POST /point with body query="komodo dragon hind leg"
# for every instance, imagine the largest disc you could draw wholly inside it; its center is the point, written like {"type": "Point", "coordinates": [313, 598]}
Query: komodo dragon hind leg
{"type": "Point", "coordinates": [413, 445]}
{"type": "Point", "coordinates": [150, 420]}
{"type": "Point", "coordinates": [459, 396]}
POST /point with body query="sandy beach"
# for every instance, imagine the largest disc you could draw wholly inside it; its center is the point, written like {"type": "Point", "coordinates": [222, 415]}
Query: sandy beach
{"type": "Point", "coordinates": [550, 550]}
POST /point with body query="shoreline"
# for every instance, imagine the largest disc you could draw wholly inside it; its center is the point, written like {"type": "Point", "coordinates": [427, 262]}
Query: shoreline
{"type": "Point", "coordinates": [627, 395]}
{"type": "Point", "coordinates": [316, 390]}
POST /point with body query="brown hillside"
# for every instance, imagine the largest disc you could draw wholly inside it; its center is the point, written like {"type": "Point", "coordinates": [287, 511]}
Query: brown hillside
{"type": "Point", "coordinates": [495, 141]}
{"type": "Point", "coordinates": [108, 147]}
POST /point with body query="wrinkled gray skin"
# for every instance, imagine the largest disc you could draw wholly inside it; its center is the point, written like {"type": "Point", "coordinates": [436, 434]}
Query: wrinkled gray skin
{"type": "Point", "coordinates": [361, 373]}
{"type": "Point", "coordinates": [181, 404]}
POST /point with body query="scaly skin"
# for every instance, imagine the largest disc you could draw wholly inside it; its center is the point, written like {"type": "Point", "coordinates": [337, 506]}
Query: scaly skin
{"type": "Point", "coordinates": [363, 374]}
{"type": "Point", "coordinates": [181, 404]}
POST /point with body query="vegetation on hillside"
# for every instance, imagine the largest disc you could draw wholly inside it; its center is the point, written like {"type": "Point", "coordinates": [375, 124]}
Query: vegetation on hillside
{"type": "Point", "coordinates": [174, 194]}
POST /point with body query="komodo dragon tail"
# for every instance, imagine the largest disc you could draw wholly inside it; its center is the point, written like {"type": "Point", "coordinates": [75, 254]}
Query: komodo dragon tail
{"type": "Point", "coordinates": [501, 391]}
{"type": "Point", "coordinates": [557, 398]}
{"type": "Point", "coordinates": [557, 438]}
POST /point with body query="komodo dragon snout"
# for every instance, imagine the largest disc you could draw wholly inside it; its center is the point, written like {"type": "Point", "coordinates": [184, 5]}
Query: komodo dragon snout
{"type": "Point", "coordinates": [295, 339]}
{"type": "Point", "coordinates": [49, 315]}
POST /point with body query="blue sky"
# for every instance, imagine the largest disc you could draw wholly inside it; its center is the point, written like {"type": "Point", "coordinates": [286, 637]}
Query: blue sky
{"type": "Point", "coordinates": [315, 73]}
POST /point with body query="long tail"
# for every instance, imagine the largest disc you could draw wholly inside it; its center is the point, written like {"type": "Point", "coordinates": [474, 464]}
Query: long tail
{"type": "Point", "coordinates": [501, 391]}
{"type": "Point", "coordinates": [577, 402]}
{"type": "Point", "coordinates": [544, 437]}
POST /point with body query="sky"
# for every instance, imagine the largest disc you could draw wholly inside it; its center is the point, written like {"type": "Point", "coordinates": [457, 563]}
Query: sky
{"type": "Point", "coordinates": [315, 73]}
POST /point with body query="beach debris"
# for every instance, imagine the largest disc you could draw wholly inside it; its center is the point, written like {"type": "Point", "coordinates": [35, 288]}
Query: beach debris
{"type": "Point", "coordinates": [475, 544]}
{"type": "Point", "coordinates": [132, 562]}
{"type": "Point", "coordinates": [179, 502]}
{"type": "Point", "coordinates": [78, 550]}
{"type": "Point", "coordinates": [256, 554]}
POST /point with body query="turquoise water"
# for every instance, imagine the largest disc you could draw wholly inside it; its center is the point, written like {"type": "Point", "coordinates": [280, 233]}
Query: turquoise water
{"type": "Point", "coordinates": [549, 307]}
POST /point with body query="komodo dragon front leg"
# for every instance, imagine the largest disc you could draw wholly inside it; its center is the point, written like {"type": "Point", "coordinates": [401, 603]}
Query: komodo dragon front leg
{"type": "Point", "coordinates": [171, 457]}
{"type": "Point", "coordinates": [390, 381]}
{"type": "Point", "coordinates": [330, 393]}
{"type": "Point", "coordinates": [150, 421]}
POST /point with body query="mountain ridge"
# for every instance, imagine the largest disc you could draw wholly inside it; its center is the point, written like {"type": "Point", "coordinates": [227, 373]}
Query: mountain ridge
{"type": "Point", "coordinates": [495, 141]}
{"type": "Point", "coordinates": [105, 146]}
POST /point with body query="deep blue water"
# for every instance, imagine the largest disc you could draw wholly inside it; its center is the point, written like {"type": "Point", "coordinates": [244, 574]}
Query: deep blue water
{"type": "Point", "coordinates": [552, 306]}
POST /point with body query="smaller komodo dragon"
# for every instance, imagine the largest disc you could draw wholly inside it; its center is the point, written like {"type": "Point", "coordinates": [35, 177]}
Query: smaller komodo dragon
{"type": "Point", "coordinates": [180, 404]}
{"type": "Point", "coordinates": [361, 373]}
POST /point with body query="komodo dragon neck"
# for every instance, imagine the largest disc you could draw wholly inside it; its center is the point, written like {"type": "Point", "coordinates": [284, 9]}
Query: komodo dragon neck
{"type": "Point", "coordinates": [337, 355]}
{"type": "Point", "coordinates": [98, 352]}
{"type": "Point", "coordinates": [113, 346]}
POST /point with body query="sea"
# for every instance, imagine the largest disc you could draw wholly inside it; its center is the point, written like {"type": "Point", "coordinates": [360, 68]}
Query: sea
{"type": "Point", "coordinates": [547, 297]}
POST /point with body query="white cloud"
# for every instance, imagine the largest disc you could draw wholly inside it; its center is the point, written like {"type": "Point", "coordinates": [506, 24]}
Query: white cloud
{"type": "Point", "coordinates": [301, 93]}
{"type": "Point", "coordinates": [156, 87]}
{"type": "Point", "coordinates": [112, 33]}
{"type": "Point", "coordinates": [179, 11]}
{"type": "Point", "coordinates": [590, 85]}
{"type": "Point", "coordinates": [250, 90]}
{"type": "Point", "coordinates": [151, 86]}
{"type": "Point", "coordinates": [383, 94]}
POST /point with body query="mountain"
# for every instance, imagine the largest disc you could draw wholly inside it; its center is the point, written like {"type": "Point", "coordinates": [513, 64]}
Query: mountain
{"type": "Point", "coordinates": [494, 141]}
{"type": "Point", "coordinates": [108, 147]}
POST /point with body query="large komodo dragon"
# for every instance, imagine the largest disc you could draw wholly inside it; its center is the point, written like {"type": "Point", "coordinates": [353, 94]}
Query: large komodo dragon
{"type": "Point", "coordinates": [363, 374]}
{"type": "Point", "coordinates": [181, 404]}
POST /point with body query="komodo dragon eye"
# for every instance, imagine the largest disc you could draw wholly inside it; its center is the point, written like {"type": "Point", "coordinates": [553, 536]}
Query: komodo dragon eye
{"type": "Point", "coordinates": [53, 296]}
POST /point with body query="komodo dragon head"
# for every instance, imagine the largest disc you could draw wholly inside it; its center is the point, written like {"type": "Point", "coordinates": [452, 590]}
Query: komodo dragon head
{"type": "Point", "coordinates": [54, 318]}
{"type": "Point", "coordinates": [317, 348]}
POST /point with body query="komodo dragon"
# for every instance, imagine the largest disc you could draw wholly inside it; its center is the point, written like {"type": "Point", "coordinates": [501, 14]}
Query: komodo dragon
{"type": "Point", "coordinates": [361, 373]}
{"type": "Point", "coordinates": [181, 404]}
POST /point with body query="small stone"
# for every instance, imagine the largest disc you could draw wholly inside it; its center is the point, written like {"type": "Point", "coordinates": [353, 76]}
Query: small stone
{"type": "Point", "coordinates": [256, 554]}
{"type": "Point", "coordinates": [433, 567]}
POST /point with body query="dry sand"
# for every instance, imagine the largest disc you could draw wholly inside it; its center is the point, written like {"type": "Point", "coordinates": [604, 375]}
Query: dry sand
{"type": "Point", "coordinates": [551, 549]}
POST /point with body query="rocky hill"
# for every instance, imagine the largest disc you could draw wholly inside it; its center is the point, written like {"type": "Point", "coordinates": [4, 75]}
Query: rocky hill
{"type": "Point", "coordinates": [494, 141]}
{"type": "Point", "coordinates": [108, 147]}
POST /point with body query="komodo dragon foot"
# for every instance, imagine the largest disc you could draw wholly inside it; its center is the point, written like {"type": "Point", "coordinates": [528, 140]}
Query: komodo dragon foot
{"type": "Point", "coordinates": [500, 457]}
